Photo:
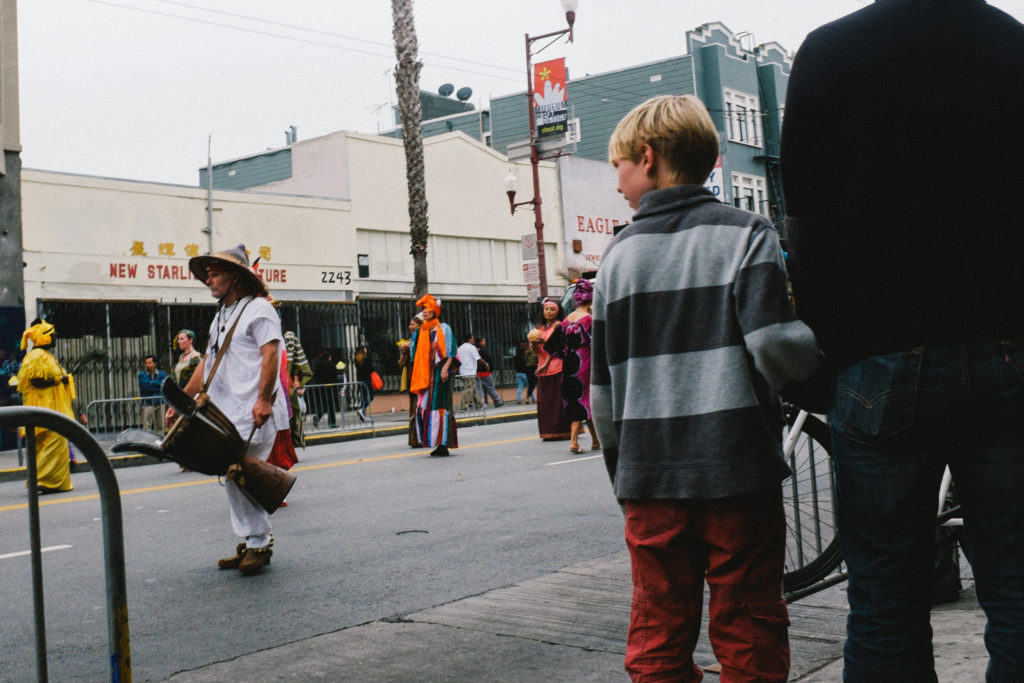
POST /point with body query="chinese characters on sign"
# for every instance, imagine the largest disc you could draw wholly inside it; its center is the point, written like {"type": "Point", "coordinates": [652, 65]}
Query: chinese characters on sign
{"type": "Point", "coordinates": [549, 98]}
{"type": "Point", "coordinates": [159, 271]}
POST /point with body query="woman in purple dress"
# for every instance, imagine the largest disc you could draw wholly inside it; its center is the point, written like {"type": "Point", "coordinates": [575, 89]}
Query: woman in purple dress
{"type": "Point", "coordinates": [572, 344]}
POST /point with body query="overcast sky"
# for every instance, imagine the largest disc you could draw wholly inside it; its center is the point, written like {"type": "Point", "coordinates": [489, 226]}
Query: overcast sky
{"type": "Point", "coordinates": [134, 88]}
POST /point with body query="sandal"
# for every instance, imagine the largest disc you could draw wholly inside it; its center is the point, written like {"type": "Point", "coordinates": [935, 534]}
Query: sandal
{"type": "Point", "coordinates": [576, 449]}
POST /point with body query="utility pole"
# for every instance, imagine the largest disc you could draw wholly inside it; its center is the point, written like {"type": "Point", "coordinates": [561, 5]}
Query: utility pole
{"type": "Point", "coordinates": [209, 194]}
{"type": "Point", "coordinates": [12, 264]}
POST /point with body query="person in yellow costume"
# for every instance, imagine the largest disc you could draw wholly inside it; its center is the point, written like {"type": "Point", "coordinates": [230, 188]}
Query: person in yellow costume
{"type": "Point", "coordinates": [43, 383]}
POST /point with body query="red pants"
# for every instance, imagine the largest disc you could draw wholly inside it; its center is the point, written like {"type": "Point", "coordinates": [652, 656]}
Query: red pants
{"type": "Point", "coordinates": [739, 545]}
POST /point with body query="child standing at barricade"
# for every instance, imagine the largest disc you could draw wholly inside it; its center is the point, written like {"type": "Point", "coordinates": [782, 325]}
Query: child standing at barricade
{"type": "Point", "coordinates": [693, 335]}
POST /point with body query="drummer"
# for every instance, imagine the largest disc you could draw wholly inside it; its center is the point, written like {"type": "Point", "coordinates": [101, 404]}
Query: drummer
{"type": "Point", "coordinates": [244, 385]}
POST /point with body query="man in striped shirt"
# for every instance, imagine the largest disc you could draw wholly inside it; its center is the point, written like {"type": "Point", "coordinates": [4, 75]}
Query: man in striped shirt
{"type": "Point", "coordinates": [693, 337]}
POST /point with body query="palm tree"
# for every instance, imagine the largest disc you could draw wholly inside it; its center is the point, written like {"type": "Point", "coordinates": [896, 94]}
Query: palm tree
{"type": "Point", "coordinates": [407, 82]}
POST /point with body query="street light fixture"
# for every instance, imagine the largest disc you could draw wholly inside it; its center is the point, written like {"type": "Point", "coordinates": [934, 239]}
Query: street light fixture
{"type": "Point", "coordinates": [569, 7]}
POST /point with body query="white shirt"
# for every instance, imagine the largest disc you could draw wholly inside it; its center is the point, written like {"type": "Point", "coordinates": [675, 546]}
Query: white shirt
{"type": "Point", "coordinates": [236, 385]}
{"type": "Point", "coordinates": [468, 356]}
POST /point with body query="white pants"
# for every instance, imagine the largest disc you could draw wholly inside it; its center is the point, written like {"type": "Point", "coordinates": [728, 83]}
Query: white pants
{"type": "Point", "coordinates": [249, 520]}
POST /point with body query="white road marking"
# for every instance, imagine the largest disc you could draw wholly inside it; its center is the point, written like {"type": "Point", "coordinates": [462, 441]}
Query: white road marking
{"type": "Point", "coordinates": [23, 553]}
{"type": "Point", "coordinates": [566, 462]}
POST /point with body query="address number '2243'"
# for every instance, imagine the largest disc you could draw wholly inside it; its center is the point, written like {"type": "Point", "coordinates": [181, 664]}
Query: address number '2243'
{"type": "Point", "coordinates": [336, 277]}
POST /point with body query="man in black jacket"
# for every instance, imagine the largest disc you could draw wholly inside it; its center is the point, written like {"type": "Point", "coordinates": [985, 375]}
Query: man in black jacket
{"type": "Point", "coordinates": [903, 161]}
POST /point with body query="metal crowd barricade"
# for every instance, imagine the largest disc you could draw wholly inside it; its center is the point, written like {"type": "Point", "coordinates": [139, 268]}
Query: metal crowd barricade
{"type": "Point", "coordinates": [113, 533]}
{"type": "Point", "coordinates": [109, 417]}
{"type": "Point", "coordinates": [333, 407]}
{"type": "Point", "coordinates": [465, 401]}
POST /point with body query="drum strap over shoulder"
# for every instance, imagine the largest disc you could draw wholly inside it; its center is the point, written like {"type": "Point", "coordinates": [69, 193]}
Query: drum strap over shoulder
{"type": "Point", "coordinates": [220, 352]}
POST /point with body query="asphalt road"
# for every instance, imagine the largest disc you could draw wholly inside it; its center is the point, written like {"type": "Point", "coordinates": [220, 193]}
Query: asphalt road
{"type": "Point", "coordinates": [373, 530]}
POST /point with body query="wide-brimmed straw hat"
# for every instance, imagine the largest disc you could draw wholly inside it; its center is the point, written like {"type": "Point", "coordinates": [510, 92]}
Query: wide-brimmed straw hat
{"type": "Point", "coordinates": [235, 258]}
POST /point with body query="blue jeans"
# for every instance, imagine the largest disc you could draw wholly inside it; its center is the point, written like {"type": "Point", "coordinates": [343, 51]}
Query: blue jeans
{"type": "Point", "coordinates": [522, 385]}
{"type": "Point", "coordinates": [897, 420]}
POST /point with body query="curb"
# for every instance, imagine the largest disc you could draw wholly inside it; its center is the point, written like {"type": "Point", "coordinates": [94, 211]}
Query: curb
{"type": "Point", "coordinates": [136, 460]}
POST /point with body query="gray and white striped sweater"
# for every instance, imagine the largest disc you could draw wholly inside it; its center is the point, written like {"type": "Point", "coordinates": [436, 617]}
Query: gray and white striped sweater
{"type": "Point", "coordinates": [693, 336]}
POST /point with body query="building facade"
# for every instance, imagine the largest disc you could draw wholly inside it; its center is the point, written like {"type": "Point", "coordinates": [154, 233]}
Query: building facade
{"type": "Point", "coordinates": [106, 260]}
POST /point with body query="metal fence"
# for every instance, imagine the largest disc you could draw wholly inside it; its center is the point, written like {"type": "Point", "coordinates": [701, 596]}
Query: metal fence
{"type": "Point", "coordinates": [113, 535]}
{"type": "Point", "coordinates": [329, 407]}
{"type": "Point", "coordinates": [130, 330]}
{"type": "Point", "coordinates": [105, 418]}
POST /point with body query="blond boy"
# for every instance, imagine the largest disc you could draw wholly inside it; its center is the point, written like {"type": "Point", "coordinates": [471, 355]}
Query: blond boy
{"type": "Point", "coordinates": [693, 337]}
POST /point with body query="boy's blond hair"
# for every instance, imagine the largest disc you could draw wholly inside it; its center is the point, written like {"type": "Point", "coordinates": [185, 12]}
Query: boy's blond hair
{"type": "Point", "coordinates": [678, 128]}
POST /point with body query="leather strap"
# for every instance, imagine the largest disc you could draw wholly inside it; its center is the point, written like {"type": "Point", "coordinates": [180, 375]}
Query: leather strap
{"type": "Point", "coordinates": [227, 340]}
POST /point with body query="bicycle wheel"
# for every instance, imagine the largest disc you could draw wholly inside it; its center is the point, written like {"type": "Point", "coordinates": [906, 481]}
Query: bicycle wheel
{"type": "Point", "coordinates": [812, 543]}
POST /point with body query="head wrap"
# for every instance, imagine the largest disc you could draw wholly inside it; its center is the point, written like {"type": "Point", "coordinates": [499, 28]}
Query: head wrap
{"type": "Point", "coordinates": [421, 367]}
{"type": "Point", "coordinates": [40, 334]}
{"type": "Point", "coordinates": [296, 354]}
{"type": "Point", "coordinates": [584, 292]}
{"type": "Point", "coordinates": [430, 303]}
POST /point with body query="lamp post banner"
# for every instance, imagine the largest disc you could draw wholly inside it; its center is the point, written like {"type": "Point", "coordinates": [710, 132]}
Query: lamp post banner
{"type": "Point", "coordinates": [550, 107]}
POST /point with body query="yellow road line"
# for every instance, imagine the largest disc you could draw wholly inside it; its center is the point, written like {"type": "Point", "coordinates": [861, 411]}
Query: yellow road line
{"type": "Point", "coordinates": [300, 468]}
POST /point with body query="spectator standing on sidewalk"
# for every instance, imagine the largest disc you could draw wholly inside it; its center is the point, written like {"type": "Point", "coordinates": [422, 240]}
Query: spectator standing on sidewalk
{"type": "Point", "coordinates": [530, 360]}
{"type": "Point", "coordinates": [188, 357]}
{"type": "Point", "coordinates": [325, 397]}
{"type": "Point", "coordinates": [485, 375]}
{"type": "Point", "coordinates": [469, 357]}
{"type": "Point", "coordinates": [903, 161]}
{"type": "Point", "coordinates": [364, 368]}
{"type": "Point", "coordinates": [150, 379]}
{"type": "Point", "coordinates": [522, 379]}
{"type": "Point", "coordinates": [693, 335]}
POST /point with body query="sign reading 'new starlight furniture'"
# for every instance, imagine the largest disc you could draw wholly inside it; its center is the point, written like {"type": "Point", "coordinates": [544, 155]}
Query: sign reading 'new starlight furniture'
{"type": "Point", "coordinates": [549, 98]}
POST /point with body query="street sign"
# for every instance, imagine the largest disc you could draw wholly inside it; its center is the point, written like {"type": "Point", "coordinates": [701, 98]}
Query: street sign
{"type": "Point", "coordinates": [531, 274]}
{"type": "Point", "coordinates": [533, 293]}
{"type": "Point", "coordinates": [530, 247]}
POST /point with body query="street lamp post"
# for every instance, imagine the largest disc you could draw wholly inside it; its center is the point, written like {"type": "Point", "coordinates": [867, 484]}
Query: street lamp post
{"type": "Point", "coordinates": [569, 6]}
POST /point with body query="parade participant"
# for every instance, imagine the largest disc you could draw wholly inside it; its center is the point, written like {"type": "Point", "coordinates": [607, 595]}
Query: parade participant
{"type": "Point", "coordinates": [43, 383]}
{"type": "Point", "coordinates": [150, 379]}
{"type": "Point", "coordinates": [551, 419]}
{"type": "Point", "coordinates": [572, 344]}
{"type": "Point", "coordinates": [693, 336]}
{"type": "Point", "coordinates": [299, 374]}
{"type": "Point", "coordinates": [906, 259]}
{"type": "Point", "coordinates": [246, 385]}
{"type": "Point", "coordinates": [431, 349]}
{"type": "Point", "coordinates": [188, 357]}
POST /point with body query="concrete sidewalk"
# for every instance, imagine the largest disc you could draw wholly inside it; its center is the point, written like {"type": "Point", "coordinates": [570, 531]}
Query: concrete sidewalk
{"type": "Point", "coordinates": [569, 625]}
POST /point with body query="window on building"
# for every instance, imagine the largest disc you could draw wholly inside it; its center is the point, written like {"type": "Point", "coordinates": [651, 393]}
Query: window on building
{"type": "Point", "coordinates": [743, 117]}
{"type": "Point", "coordinates": [748, 192]}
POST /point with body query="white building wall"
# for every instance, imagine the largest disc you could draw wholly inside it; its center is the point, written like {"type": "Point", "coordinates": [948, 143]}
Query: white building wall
{"type": "Point", "coordinates": [474, 248]}
{"type": "Point", "coordinates": [89, 238]}
{"type": "Point", "coordinates": [93, 238]}
{"type": "Point", "coordinates": [319, 168]}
